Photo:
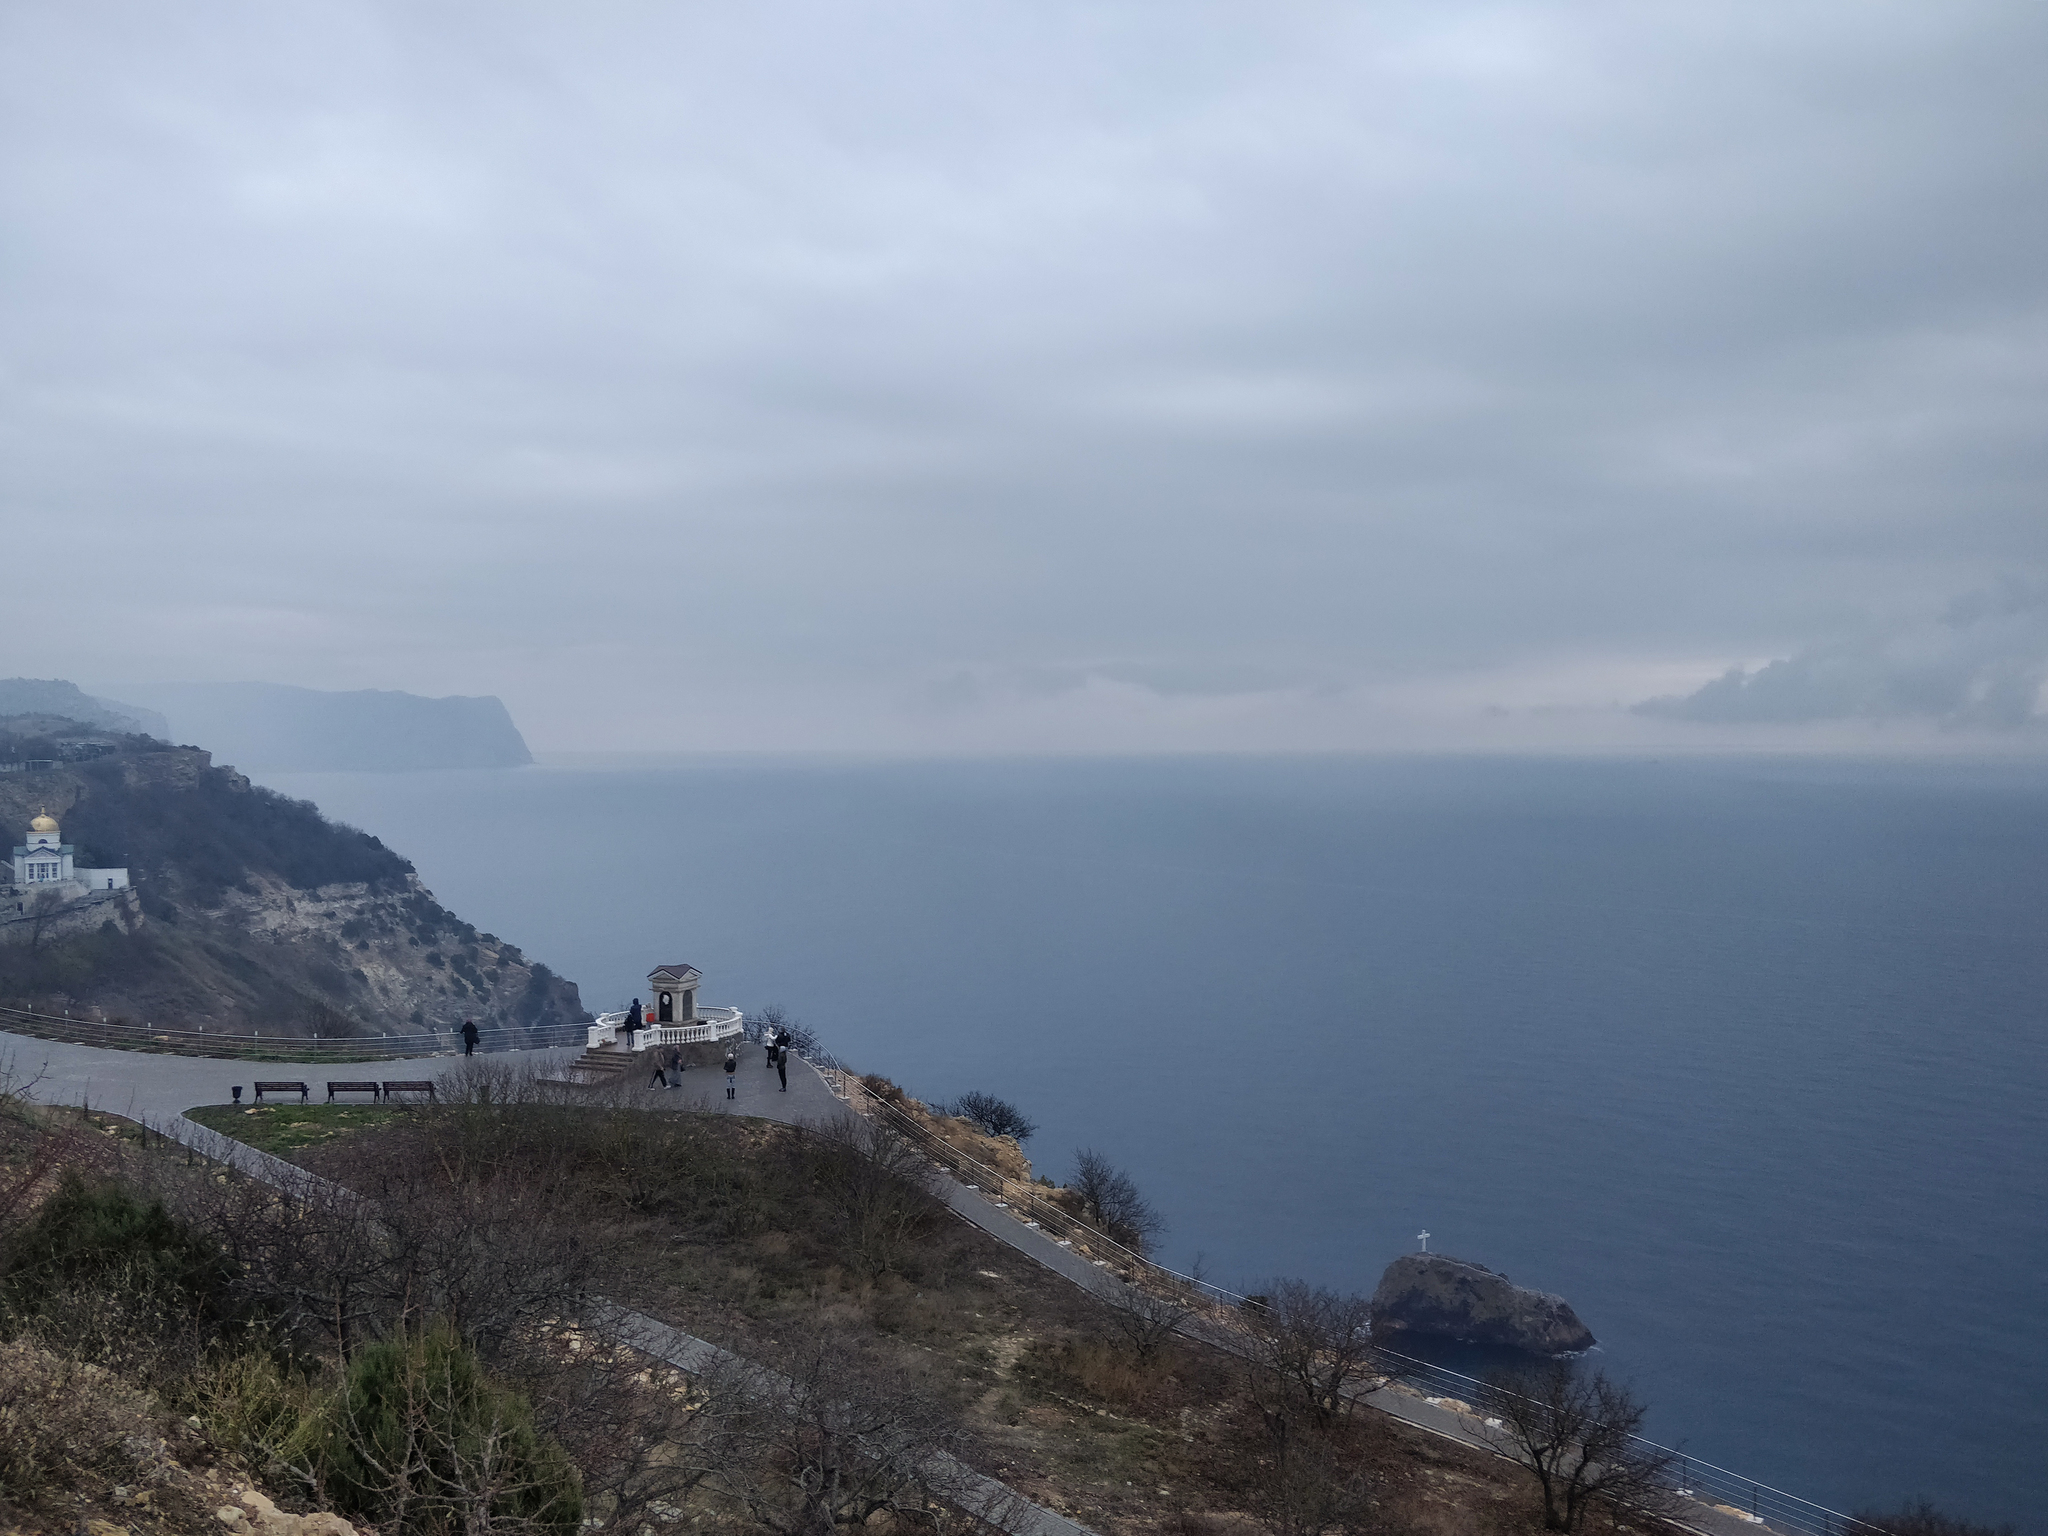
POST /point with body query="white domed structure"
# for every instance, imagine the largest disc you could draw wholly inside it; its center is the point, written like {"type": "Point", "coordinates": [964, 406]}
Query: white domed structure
{"type": "Point", "coordinates": [46, 860]}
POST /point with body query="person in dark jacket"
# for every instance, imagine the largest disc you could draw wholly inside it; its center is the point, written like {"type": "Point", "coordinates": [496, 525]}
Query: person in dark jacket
{"type": "Point", "coordinates": [632, 1025]}
{"type": "Point", "coordinates": [782, 1065]}
{"type": "Point", "coordinates": [732, 1066]}
{"type": "Point", "coordinates": [469, 1037]}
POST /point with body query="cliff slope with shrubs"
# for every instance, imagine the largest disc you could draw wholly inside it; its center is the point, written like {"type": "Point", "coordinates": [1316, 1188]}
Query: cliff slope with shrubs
{"type": "Point", "coordinates": [250, 911]}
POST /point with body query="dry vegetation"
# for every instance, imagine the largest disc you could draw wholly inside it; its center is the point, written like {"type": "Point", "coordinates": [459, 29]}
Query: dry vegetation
{"type": "Point", "coordinates": [416, 1346]}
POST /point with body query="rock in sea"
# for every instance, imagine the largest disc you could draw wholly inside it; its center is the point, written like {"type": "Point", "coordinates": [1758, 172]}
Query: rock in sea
{"type": "Point", "coordinates": [1435, 1294]}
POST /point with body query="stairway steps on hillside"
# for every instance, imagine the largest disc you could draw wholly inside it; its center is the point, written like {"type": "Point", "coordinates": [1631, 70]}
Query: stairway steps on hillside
{"type": "Point", "coordinates": [599, 1063]}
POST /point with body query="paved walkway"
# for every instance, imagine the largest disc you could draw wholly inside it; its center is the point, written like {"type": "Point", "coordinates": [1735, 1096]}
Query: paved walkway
{"type": "Point", "coordinates": [756, 1089]}
{"type": "Point", "coordinates": [159, 1089]}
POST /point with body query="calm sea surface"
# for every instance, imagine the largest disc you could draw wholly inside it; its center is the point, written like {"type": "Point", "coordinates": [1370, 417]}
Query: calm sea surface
{"type": "Point", "coordinates": [1747, 1059]}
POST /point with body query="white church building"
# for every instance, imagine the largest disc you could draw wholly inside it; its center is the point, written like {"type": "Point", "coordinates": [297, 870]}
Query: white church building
{"type": "Point", "coordinates": [46, 860]}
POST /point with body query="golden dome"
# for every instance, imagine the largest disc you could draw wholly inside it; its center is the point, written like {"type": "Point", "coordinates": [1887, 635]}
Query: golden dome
{"type": "Point", "coordinates": [43, 823]}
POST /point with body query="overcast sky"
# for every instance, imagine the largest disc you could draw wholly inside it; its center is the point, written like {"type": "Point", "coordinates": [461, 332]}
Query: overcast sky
{"type": "Point", "coordinates": [984, 376]}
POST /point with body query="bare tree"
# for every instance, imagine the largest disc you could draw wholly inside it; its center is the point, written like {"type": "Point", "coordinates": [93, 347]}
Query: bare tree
{"type": "Point", "coordinates": [1310, 1347]}
{"type": "Point", "coordinates": [1146, 1315]}
{"type": "Point", "coordinates": [837, 1437]}
{"type": "Point", "coordinates": [644, 1436]}
{"type": "Point", "coordinates": [759, 1026]}
{"type": "Point", "coordinates": [1578, 1436]}
{"type": "Point", "coordinates": [1306, 1490]}
{"type": "Point", "coordinates": [1113, 1203]}
{"type": "Point", "coordinates": [991, 1115]}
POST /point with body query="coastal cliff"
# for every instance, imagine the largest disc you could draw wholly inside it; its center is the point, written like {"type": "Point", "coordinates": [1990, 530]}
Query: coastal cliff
{"type": "Point", "coordinates": [272, 728]}
{"type": "Point", "coordinates": [249, 911]}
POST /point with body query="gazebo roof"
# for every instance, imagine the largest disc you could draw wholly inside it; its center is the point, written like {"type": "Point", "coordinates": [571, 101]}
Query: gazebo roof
{"type": "Point", "coordinates": [678, 972]}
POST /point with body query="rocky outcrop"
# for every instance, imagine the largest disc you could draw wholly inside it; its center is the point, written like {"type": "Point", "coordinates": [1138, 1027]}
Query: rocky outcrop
{"type": "Point", "coordinates": [257, 1515]}
{"type": "Point", "coordinates": [1432, 1293]}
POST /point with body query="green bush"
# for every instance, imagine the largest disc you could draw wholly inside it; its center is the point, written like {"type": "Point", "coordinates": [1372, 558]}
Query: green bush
{"type": "Point", "coordinates": [420, 1439]}
{"type": "Point", "coordinates": [103, 1237]}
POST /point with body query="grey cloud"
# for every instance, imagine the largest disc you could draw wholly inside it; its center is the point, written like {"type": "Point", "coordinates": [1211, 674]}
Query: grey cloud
{"type": "Point", "coordinates": [747, 358]}
{"type": "Point", "coordinates": [1983, 664]}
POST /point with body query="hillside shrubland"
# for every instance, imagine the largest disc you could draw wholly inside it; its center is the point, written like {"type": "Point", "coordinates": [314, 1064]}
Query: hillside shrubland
{"type": "Point", "coordinates": [434, 1308]}
{"type": "Point", "coordinates": [250, 912]}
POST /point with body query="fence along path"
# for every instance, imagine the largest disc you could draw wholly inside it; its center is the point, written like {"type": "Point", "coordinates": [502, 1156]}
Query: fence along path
{"type": "Point", "coordinates": [1716, 1499]}
{"type": "Point", "coordinates": [228, 1045]}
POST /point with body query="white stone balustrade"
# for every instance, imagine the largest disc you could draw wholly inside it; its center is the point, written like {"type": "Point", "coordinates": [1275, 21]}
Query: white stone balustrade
{"type": "Point", "coordinates": [708, 1024]}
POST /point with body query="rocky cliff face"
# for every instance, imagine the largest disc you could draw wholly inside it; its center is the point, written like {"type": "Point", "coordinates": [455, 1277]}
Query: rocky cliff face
{"type": "Point", "coordinates": [250, 911]}
{"type": "Point", "coordinates": [1432, 1293]}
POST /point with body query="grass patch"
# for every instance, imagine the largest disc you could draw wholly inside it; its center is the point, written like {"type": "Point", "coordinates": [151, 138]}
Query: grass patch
{"type": "Point", "coordinates": [282, 1128]}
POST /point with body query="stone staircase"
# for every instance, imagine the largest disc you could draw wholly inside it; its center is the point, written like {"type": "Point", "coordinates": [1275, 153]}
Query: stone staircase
{"type": "Point", "coordinates": [599, 1064]}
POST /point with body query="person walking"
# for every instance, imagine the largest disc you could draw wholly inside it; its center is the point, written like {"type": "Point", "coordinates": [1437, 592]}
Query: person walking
{"type": "Point", "coordinates": [632, 1025]}
{"type": "Point", "coordinates": [469, 1037]}
{"type": "Point", "coordinates": [782, 1064]}
{"type": "Point", "coordinates": [664, 1058]}
{"type": "Point", "coordinates": [732, 1067]}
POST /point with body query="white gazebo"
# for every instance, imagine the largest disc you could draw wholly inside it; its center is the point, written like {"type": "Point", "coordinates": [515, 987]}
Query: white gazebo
{"type": "Point", "coordinates": [671, 1015]}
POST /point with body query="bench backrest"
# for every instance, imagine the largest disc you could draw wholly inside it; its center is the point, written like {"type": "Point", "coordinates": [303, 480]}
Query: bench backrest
{"type": "Point", "coordinates": [352, 1088]}
{"type": "Point", "coordinates": [420, 1087]}
{"type": "Point", "coordinates": [280, 1087]}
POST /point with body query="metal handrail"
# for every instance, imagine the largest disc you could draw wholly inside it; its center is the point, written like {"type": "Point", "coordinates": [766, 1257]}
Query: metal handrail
{"type": "Point", "coordinates": [234, 1045]}
{"type": "Point", "coordinates": [1703, 1482]}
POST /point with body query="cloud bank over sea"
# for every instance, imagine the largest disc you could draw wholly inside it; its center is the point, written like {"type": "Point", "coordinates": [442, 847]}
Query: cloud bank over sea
{"type": "Point", "coordinates": [1030, 377]}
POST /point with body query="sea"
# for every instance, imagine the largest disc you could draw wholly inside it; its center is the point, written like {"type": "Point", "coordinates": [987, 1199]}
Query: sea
{"type": "Point", "coordinates": [1746, 1058]}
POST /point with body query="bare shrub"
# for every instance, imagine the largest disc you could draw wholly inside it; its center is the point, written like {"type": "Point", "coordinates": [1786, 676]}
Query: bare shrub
{"type": "Point", "coordinates": [488, 1259]}
{"type": "Point", "coordinates": [1307, 1489]}
{"type": "Point", "coordinates": [836, 1437]}
{"type": "Point", "coordinates": [992, 1116]}
{"type": "Point", "coordinates": [643, 1435]}
{"type": "Point", "coordinates": [31, 1152]}
{"type": "Point", "coordinates": [878, 1188]}
{"type": "Point", "coordinates": [1918, 1517]}
{"type": "Point", "coordinates": [256, 1408]}
{"type": "Point", "coordinates": [1578, 1436]}
{"type": "Point", "coordinates": [1113, 1204]}
{"type": "Point", "coordinates": [1309, 1349]}
{"type": "Point", "coordinates": [62, 1420]}
{"type": "Point", "coordinates": [1146, 1315]}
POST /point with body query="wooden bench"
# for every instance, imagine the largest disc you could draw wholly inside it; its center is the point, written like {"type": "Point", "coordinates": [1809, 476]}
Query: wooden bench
{"type": "Point", "coordinates": [370, 1088]}
{"type": "Point", "coordinates": [299, 1088]}
{"type": "Point", "coordinates": [419, 1087]}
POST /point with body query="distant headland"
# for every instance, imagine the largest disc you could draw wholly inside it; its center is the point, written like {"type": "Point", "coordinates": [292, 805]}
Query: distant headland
{"type": "Point", "coordinates": [270, 727]}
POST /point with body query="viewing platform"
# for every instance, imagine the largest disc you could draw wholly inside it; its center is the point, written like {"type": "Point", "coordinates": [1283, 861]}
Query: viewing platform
{"type": "Point", "coordinates": [704, 1024]}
